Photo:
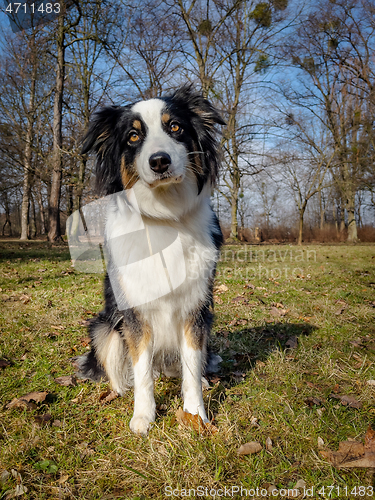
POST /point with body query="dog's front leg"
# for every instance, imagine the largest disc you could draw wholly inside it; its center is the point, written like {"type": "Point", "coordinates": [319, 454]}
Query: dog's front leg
{"type": "Point", "coordinates": [191, 359]}
{"type": "Point", "coordinates": [144, 402]}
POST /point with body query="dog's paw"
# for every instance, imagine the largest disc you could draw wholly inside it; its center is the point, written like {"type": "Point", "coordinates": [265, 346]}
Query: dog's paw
{"type": "Point", "coordinates": [140, 425]}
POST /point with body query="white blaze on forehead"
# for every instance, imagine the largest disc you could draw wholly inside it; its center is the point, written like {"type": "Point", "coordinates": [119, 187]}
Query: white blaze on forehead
{"type": "Point", "coordinates": [158, 140]}
{"type": "Point", "coordinates": [150, 112]}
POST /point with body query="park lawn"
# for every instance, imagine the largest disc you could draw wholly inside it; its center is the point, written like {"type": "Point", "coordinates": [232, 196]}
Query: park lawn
{"type": "Point", "coordinates": [292, 324]}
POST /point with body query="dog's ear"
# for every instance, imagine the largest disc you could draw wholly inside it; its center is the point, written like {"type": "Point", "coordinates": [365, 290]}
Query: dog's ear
{"type": "Point", "coordinates": [103, 137]}
{"type": "Point", "coordinates": [204, 116]}
{"type": "Point", "coordinates": [101, 128]}
{"type": "Point", "coordinates": [198, 105]}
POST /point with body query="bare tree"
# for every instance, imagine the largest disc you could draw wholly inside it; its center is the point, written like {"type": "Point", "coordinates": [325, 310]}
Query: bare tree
{"type": "Point", "coordinates": [331, 93]}
{"type": "Point", "coordinates": [231, 44]}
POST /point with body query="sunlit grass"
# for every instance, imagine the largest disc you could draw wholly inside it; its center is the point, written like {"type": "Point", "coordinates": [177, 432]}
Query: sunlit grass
{"type": "Point", "coordinates": [277, 296]}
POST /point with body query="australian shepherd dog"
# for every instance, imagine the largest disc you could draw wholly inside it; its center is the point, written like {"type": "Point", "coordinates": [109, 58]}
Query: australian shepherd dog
{"type": "Point", "coordinates": [159, 161]}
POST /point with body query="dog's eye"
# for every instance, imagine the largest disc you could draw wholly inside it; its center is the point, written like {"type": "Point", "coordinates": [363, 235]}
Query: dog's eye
{"type": "Point", "coordinates": [133, 137]}
{"type": "Point", "coordinates": [175, 127]}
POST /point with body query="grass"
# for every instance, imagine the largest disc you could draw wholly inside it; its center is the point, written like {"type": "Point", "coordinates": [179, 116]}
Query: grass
{"type": "Point", "coordinates": [317, 299]}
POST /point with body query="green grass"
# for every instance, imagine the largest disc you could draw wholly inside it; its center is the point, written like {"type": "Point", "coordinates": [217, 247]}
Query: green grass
{"type": "Point", "coordinates": [326, 293]}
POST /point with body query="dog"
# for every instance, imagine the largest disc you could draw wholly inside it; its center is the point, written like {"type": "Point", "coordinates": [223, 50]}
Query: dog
{"type": "Point", "coordinates": [157, 160]}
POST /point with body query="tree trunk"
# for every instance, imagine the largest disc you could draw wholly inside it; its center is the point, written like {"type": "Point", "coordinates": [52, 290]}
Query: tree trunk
{"type": "Point", "coordinates": [73, 229]}
{"type": "Point", "coordinates": [7, 216]}
{"type": "Point", "coordinates": [300, 227]}
{"type": "Point", "coordinates": [33, 225]}
{"type": "Point", "coordinates": [321, 208]}
{"type": "Point", "coordinates": [28, 169]}
{"type": "Point", "coordinates": [43, 229]}
{"type": "Point", "coordinates": [54, 232]}
{"type": "Point", "coordinates": [25, 205]}
{"type": "Point", "coordinates": [342, 218]}
{"type": "Point", "coordinates": [352, 225]}
{"type": "Point", "coordinates": [235, 189]}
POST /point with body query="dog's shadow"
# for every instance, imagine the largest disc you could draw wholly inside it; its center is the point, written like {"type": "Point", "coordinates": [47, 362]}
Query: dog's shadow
{"type": "Point", "coordinates": [241, 350]}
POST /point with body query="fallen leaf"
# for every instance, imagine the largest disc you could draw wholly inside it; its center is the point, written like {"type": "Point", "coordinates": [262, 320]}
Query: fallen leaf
{"type": "Point", "coordinates": [320, 443]}
{"type": "Point", "coordinates": [84, 322]}
{"type": "Point", "coordinates": [43, 419]}
{"type": "Point", "coordinates": [311, 401]}
{"type": "Point", "coordinates": [66, 380]}
{"type": "Point", "coordinates": [19, 403]}
{"type": "Point", "coordinates": [19, 490]}
{"type": "Point", "coordinates": [300, 484]}
{"type": "Point", "coordinates": [249, 448]}
{"type": "Point", "coordinates": [314, 386]}
{"type": "Point", "coordinates": [58, 327]}
{"type": "Point", "coordinates": [4, 476]}
{"type": "Point", "coordinates": [63, 479]}
{"type": "Point", "coordinates": [341, 310]}
{"type": "Point", "coordinates": [238, 322]}
{"type": "Point", "coordinates": [269, 444]}
{"type": "Point", "coordinates": [4, 363]}
{"type": "Point", "coordinates": [348, 401]}
{"type": "Point", "coordinates": [278, 312]}
{"type": "Point", "coordinates": [240, 299]}
{"type": "Point", "coordinates": [341, 301]}
{"type": "Point", "coordinates": [26, 401]}
{"type": "Point", "coordinates": [271, 488]}
{"type": "Point", "coordinates": [24, 298]}
{"type": "Point", "coordinates": [38, 397]}
{"type": "Point", "coordinates": [108, 396]}
{"type": "Point", "coordinates": [353, 453]}
{"type": "Point", "coordinates": [292, 343]}
{"type": "Point", "coordinates": [254, 422]}
{"type": "Point", "coordinates": [221, 289]}
{"type": "Point", "coordinates": [17, 476]}
{"type": "Point", "coordinates": [249, 285]}
{"type": "Point", "coordinates": [195, 421]}
{"type": "Point", "coordinates": [356, 343]}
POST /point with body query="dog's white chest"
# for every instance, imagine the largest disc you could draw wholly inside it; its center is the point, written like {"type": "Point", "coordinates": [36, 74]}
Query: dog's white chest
{"type": "Point", "coordinates": [162, 269]}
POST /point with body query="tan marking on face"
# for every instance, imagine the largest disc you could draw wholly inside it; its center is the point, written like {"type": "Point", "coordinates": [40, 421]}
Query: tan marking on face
{"type": "Point", "coordinates": [137, 343]}
{"type": "Point", "coordinates": [192, 340]}
{"type": "Point", "coordinates": [137, 125]}
{"type": "Point", "coordinates": [165, 117]}
{"type": "Point", "coordinates": [128, 178]}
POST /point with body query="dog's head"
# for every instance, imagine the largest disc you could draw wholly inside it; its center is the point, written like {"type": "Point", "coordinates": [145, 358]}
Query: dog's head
{"type": "Point", "coordinates": [158, 144]}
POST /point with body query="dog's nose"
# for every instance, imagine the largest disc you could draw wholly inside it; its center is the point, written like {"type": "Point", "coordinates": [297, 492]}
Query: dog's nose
{"type": "Point", "coordinates": [159, 162]}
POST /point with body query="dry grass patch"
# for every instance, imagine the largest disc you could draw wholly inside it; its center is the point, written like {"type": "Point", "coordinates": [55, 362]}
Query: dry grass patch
{"type": "Point", "coordinates": [294, 328]}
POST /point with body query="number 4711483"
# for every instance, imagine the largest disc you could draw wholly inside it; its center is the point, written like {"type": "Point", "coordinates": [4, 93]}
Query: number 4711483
{"type": "Point", "coordinates": [48, 8]}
